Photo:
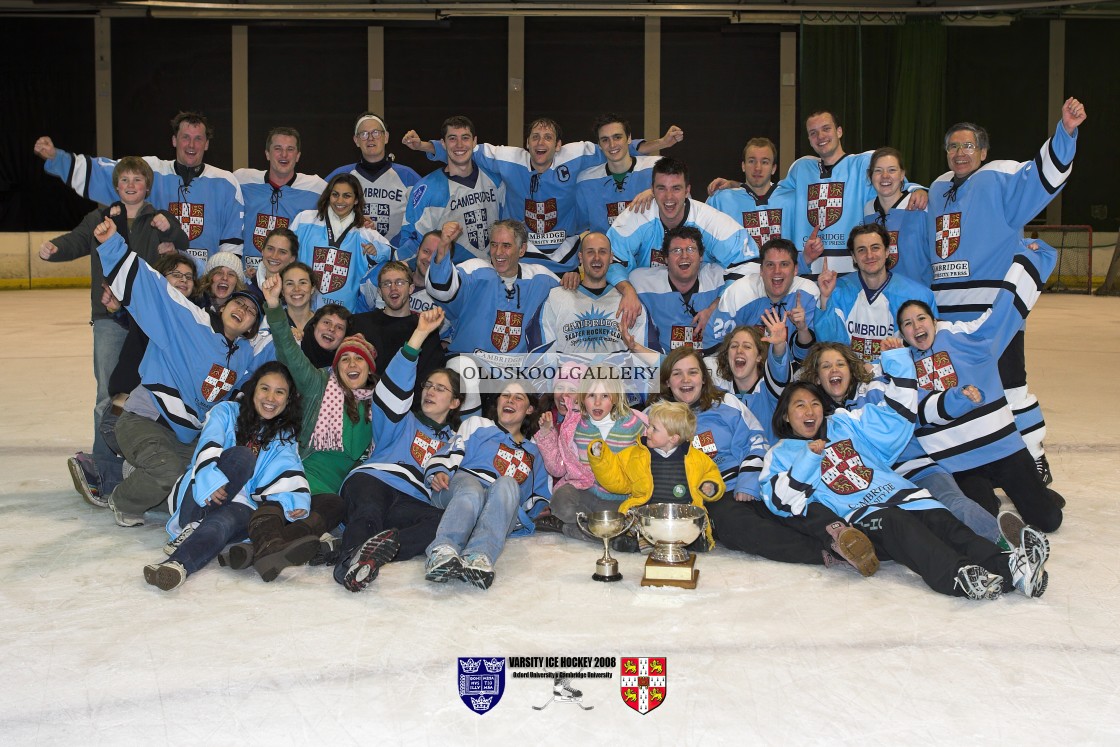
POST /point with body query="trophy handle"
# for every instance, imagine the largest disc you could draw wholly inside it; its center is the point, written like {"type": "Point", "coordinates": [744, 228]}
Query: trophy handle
{"type": "Point", "coordinates": [583, 526]}
{"type": "Point", "coordinates": [633, 516]}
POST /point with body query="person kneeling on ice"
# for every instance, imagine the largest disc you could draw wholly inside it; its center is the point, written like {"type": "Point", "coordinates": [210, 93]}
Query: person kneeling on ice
{"type": "Point", "coordinates": [491, 481]}
{"type": "Point", "coordinates": [247, 456]}
{"type": "Point", "coordinates": [663, 468]}
{"type": "Point", "coordinates": [843, 460]}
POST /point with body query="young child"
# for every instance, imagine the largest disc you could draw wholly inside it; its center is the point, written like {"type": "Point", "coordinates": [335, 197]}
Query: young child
{"type": "Point", "coordinates": [601, 413]}
{"type": "Point", "coordinates": [490, 482]}
{"type": "Point", "coordinates": [665, 468]}
{"type": "Point", "coordinates": [247, 456]}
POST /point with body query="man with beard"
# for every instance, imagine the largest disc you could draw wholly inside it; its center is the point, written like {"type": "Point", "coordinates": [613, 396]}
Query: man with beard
{"type": "Point", "coordinates": [389, 328]}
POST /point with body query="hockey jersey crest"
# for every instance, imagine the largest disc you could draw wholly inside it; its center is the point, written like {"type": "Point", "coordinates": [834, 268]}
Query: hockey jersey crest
{"type": "Point", "coordinates": [507, 332]}
{"type": "Point", "coordinates": [843, 470]}
{"type": "Point", "coordinates": [936, 372]}
{"type": "Point", "coordinates": [892, 250]}
{"type": "Point", "coordinates": [515, 463]}
{"type": "Point", "coordinates": [266, 224]}
{"type": "Point", "coordinates": [191, 215]}
{"type": "Point", "coordinates": [825, 203]}
{"type": "Point", "coordinates": [706, 443]}
{"type": "Point", "coordinates": [685, 335]}
{"type": "Point", "coordinates": [423, 447]}
{"type": "Point", "coordinates": [540, 217]}
{"type": "Point", "coordinates": [331, 267]}
{"type": "Point", "coordinates": [763, 225]}
{"type": "Point", "coordinates": [948, 234]}
{"type": "Point", "coordinates": [218, 382]}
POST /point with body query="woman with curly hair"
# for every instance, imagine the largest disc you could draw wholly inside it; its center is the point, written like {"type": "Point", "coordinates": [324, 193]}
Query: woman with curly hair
{"type": "Point", "coordinates": [247, 456]}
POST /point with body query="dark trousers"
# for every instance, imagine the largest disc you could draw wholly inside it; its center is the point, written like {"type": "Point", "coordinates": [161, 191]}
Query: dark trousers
{"type": "Point", "coordinates": [373, 506]}
{"type": "Point", "coordinates": [1013, 362]}
{"type": "Point", "coordinates": [1019, 478]}
{"type": "Point", "coordinates": [218, 526]}
{"type": "Point", "coordinates": [932, 543]}
{"type": "Point", "coordinates": [748, 526]}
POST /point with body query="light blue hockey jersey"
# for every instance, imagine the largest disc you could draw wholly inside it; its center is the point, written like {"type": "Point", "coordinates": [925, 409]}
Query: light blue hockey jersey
{"type": "Point", "coordinates": [765, 217]}
{"type": "Point", "coordinates": [860, 318]}
{"type": "Point", "coordinates": [732, 437]}
{"type": "Point", "coordinates": [744, 302]}
{"type": "Point", "coordinates": [385, 194]}
{"type": "Point", "coordinates": [602, 197]}
{"type": "Point", "coordinates": [339, 265]}
{"type": "Point", "coordinates": [670, 311]}
{"type": "Point", "coordinates": [268, 208]}
{"type": "Point", "coordinates": [472, 201]}
{"type": "Point", "coordinates": [910, 238]}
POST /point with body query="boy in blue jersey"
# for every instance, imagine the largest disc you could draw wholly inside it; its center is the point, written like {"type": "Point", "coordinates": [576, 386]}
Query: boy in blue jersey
{"type": "Point", "coordinates": [273, 198]}
{"type": "Point", "coordinates": [978, 218]}
{"type": "Point", "coordinates": [385, 185]}
{"type": "Point", "coordinates": [206, 200]}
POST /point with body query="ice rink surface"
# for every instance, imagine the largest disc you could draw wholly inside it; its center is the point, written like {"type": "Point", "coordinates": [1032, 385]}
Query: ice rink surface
{"type": "Point", "coordinates": [759, 653]}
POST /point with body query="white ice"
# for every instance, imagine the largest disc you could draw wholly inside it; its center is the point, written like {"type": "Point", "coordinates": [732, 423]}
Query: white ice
{"type": "Point", "coordinates": [759, 653]}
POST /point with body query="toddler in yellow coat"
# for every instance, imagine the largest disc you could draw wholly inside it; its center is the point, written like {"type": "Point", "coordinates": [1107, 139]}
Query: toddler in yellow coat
{"type": "Point", "coordinates": [663, 467]}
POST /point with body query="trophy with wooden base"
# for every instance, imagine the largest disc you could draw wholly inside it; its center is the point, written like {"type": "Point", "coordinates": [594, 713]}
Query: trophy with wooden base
{"type": "Point", "coordinates": [671, 527]}
{"type": "Point", "coordinates": [606, 525]}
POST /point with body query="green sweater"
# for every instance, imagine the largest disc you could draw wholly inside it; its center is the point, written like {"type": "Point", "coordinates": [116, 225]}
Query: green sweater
{"type": "Point", "coordinates": [325, 470]}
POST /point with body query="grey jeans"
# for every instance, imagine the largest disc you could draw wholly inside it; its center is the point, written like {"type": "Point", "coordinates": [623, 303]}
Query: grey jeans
{"type": "Point", "coordinates": [568, 501]}
{"type": "Point", "coordinates": [159, 459]}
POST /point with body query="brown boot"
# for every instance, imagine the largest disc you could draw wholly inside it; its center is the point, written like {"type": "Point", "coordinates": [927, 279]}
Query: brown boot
{"type": "Point", "coordinates": [271, 553]}
{"type": "Point", "coordinates": [853, 546]}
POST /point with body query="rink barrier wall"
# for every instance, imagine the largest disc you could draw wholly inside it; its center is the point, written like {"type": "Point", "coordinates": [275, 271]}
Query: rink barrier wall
{"type": "Point", "coordinates": [21, 268]}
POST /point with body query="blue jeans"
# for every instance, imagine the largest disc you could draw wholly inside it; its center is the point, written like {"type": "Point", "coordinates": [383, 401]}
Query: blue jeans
{"type": "Point", "coordinates": [477, 518]}
{"type": "Point", "coordinates": [108, 339]}
{"type": "Point", "coordinates": [944, 488]}
{"type": "Point", "coordinates": [218, 527]}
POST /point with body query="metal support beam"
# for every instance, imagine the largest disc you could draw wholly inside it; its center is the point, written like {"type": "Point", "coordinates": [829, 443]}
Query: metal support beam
{"type": "Point", "coordinates": [375, 70]}
{"type": "Point", "coordinates": [239, 79]}
{"type": "Point", "coordinates": [1056, 94]}
{"type": "Point", "coordinates": [787, 102]}
{"type": "Point", "coordinates": [515, 101]}
{"type": "Point", "coordinates": [651, 119]}
{"type": "Point", "coordinates": [103, 86]}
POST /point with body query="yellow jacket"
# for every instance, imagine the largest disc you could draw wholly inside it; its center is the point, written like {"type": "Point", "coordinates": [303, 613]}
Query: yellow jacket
{"type": "Point", "coordinates": [628, 472]}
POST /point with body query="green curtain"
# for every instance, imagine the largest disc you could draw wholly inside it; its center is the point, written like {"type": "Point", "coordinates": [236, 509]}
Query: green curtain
{"type": "Point", "coordinates": [917, 116]}
{"type": "Point", "coordinates": [832, 78]}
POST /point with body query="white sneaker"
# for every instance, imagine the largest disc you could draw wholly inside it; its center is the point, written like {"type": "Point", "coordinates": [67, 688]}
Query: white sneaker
{"type": "Point", "coordinates": [167, 576]}
{"type": "Point", "coordinates": [443, 565]}
{"type": "Point", "coordinates": [478, 571]}
{"type": "Point", "coordinates": [1028, 562]}
{"type": "Point", "coordinates": [978, 583]}
{"type": "Point", "coordinates": [125, 519]}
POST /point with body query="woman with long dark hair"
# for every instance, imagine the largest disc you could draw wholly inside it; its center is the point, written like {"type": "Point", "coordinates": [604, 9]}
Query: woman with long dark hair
{"type": "Point", "coordinates": [247, 456]}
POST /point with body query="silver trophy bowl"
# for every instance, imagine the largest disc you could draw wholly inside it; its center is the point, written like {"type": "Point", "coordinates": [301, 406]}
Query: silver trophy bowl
{"type": "Point", "coordinates": [605, 525]}
{"type": "Point", "coordinates": [670, 527]}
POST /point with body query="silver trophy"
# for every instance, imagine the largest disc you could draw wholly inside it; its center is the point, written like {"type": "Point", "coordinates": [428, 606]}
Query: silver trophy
{"type": "Point", "coordinates": [671, 527]}
{"type": "Point", "coordinates": [606, 525]}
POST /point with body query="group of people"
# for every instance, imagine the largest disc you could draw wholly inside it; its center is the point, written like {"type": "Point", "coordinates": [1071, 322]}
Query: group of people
{"type": "Point", "coordinates": [293, 365]}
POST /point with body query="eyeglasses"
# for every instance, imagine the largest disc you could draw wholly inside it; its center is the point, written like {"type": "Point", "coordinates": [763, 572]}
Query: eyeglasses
{"type": "Point", "coordinates": [440, 388]}
{"type": "Point", "coordinates": [966, 147]}
{"type": "Point", "coordinates": [677, 251]}
{"type": "Point", "coordinates": [180, 275]}
{"type": "Point", "coordinates": [371, 134]}
{"type": "Point", "coordinates": [398, 283]}
{"type": "Point", "coordinates": [247, 306]}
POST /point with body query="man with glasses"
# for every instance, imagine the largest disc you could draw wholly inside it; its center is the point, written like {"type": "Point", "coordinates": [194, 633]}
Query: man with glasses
{"type": "Point", "coordinates": [979, 212]}
{"type": "Point", "coordinates": [584, 321]}
{"type": "Point", "coordinates": [385, 185]}
{"type": "Point", "coordinates": [681, 295]}
{"type": "Point", "coordinates": [206, 200]}
{"type": "Point", "coordinates": [389, 328]}
{"type": "Point", "coordinates": [275, 197]}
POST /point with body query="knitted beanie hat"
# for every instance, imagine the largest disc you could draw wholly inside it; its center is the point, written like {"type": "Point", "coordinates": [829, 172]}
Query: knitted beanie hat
{"type": "Point", "coordinates": [357, 344]}
{"type": "Point", "coordinates": [226, 259]}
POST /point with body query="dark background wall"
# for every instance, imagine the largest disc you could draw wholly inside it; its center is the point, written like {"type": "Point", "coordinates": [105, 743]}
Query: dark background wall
{"type": "Point", "coordinates": [719, 82]}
